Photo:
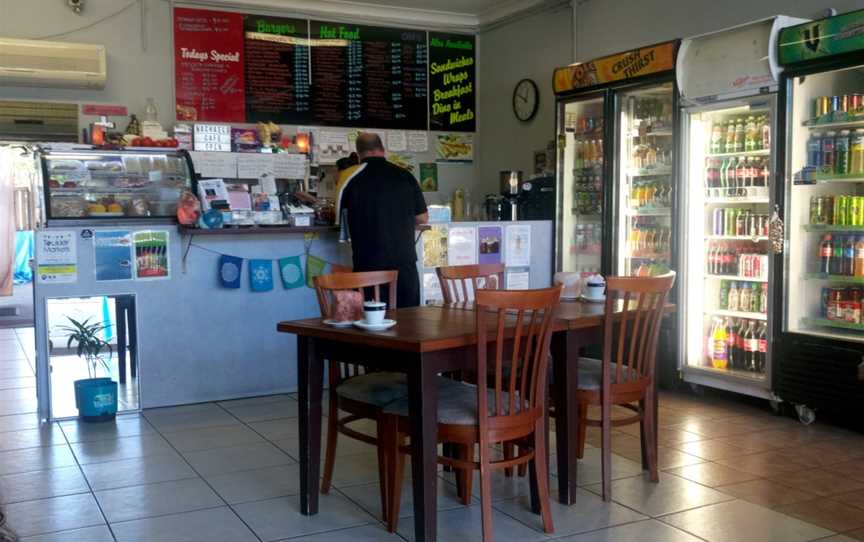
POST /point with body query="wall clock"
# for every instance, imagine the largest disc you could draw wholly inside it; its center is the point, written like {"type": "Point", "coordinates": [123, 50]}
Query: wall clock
{"type": "Point", "coordinates": [526, 99]}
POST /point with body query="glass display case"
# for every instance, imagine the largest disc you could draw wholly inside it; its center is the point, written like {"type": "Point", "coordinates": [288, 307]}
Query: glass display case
{"type": "Point", "coordinates": [100, 184]}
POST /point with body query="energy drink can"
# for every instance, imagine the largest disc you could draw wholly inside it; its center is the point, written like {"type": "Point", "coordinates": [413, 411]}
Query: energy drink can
{"type": "Point", "coordinates": [855, 102]}
{"type": "Point", "coordinates": [835, 104]}
{"type": "Point", "coordinates": [844, 102]}
{"type": "Point", "coordinates": [823, 106]}
{"type": "Point", "coordinates": [854, 211]}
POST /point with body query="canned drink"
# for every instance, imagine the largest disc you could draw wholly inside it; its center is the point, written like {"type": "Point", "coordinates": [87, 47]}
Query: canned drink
{"type": "Point", "coordinates": [838, 211]}
{"type": "Point", "coordinates": [823, 105]}
{"type": "Point", "coordinates": [835, 103]}
{"type": "Point", "coordinates": [844, 102]}
{"type": "Point", "coordinates": [855, 102]}
{"type": "Point", "coordinates": [829, 209]}
{"type": "Point", "coordinates": [854, 210]}
{"type": "Point", "coordinates": [860, 210]}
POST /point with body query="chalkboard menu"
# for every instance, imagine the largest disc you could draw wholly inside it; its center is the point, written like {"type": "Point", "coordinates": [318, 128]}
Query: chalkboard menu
{"type": "Point", "coordinates": [451, 82]}
{"type": "Point", "coordinates": [277, 70]}
{"type": "Point", "coordinates": [368, 76]}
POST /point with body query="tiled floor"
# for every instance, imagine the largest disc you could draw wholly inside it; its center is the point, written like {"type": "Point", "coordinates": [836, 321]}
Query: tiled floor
{"type": "Point", "coordinates": [228, 472]}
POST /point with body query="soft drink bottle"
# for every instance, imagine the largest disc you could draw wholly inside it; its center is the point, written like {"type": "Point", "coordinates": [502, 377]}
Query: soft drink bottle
{"type": "Point", "coordinates": [716, 138]}
{"type": "Point", "coordinates": [739, 135]}
{"type": "Point", "coordinates": [763, 299]}
{"type": "Point", "coordinates": [837, 256]}
{"type": "Point", "coordinates": [762, 348]}
{"type": "Point", "coordinates": [750, 134]}
{"type": "Point", "coordinates": [814, 149]}
{"type": "Point", "coordinates": [766, 133]}
{"type": "Point", "coordinates": [859, 257]}
{"type": "Point", "coordinates": [730, 136]}
{"type": "Point", "coordinates": [849, 256]}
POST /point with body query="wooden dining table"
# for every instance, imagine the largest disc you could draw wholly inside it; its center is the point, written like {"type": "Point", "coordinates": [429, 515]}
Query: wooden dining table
{"type": "Point", "coordinates": [426, 342]}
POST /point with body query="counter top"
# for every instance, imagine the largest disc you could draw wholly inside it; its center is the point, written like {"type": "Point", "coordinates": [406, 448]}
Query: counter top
{"type": "Point", "coordinates": [256, 230]}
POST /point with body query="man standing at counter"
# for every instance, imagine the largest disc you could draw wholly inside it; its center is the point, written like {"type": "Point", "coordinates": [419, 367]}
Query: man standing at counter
{"type": "Point", "coordinates": [383, 203]}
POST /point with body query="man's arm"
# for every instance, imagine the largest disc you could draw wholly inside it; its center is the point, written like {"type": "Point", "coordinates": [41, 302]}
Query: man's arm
{"type": "Point", "coordinates": [422, 218]}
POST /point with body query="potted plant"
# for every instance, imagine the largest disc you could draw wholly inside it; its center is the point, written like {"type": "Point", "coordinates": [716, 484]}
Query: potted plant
{"type": "Point", "coordinates": [95, 398]}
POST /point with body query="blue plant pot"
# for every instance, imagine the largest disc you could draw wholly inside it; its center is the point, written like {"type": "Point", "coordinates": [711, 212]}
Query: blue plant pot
{"type": "Point", "coordinates": [96, 399]}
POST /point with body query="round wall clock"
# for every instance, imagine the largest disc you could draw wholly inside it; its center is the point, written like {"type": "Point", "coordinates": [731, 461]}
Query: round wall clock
{"type": "Point", "coordinates": [526, 99]}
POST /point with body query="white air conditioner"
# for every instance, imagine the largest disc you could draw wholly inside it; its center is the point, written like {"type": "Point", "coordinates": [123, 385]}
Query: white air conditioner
{"type": "Point", "coordinates": [33, 63]}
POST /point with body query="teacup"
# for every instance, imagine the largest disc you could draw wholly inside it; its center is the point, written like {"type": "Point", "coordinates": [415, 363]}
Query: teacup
{"type": "Point", "coordinates": [374, 312]}
{"type": "Point", "coordinates": [595, 287]}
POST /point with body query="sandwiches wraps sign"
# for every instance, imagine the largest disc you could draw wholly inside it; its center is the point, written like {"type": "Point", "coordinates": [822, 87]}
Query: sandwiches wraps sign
{"type": "Point", "coordinates": [618, 67]}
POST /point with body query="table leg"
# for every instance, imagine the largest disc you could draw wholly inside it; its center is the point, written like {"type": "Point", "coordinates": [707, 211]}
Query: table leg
{"type": "Point", "coordinates": [565, 353]}
{"type": "Point", "coordinates": [422, 409]}
{"type": "Point", "coordinates": [310, 381]}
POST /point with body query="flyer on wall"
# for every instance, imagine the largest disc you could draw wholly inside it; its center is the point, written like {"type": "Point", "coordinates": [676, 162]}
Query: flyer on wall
{"type": "Point", "coordinates": [152, 259]}
{"type": "Point", "coordinates": [429, 177]}
{"type": "Point", "coordinates": [435, 246]}
{"type": "Point", "coordinates": [112, 252]}
{"type": "Point", "coordinates": [490, 244]}
{"type": "Point", "coordinates": [462, 246]}
{"type": "Point", "coordinates": [56, 257]}
{"type": "Point", "coordinates": [518, 252]}
{"type": "Point", "coordinates": [432, 289]}
{"type": "Point", "coordinates": [518, 280]}
{"type": "Point", "coordinates": [455, 148]}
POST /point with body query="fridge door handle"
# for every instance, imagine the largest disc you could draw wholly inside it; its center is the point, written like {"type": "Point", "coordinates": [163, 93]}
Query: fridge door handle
{"type": "Point", "coordinates": [776, 232]}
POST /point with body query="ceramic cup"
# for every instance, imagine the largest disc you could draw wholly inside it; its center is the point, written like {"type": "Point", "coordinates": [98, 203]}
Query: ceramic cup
{"type": "Point", "coordinates": [373, 312]}
{"type": "Point", "coordinates": [595, 287]}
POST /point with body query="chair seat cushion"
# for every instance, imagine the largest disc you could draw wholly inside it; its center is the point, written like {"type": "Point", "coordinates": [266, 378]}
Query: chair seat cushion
{"type": "Point", "coordinates": [591, 373]}
{"type": "Point", "coordinates": [457, 403]}
{"type": "Point", "coordinates": [375, 389]}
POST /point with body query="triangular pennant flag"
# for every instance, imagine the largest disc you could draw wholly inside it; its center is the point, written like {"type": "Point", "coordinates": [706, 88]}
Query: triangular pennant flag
{"type": "Point", "coordinates": [230, 269]}
{"type": "Point", "coordinates": [261, 275]}
{"type": "Point", "coordinates": [291, 271]}
{"type": "Point", "coordinates": [314, 268]}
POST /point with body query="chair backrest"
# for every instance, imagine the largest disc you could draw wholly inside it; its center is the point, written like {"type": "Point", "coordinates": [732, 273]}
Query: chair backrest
{"type": "Point", "coordinates": [325, 285]}
{"type": "Point", "coordinates": [630, 336]}
{"type": "Point", "coordinates": [455, 280]}
{"type": "Point", "coordinates": [523, 327]}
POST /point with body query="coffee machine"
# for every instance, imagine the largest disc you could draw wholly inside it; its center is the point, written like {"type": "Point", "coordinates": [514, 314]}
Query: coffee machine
{"type": "Point", "coordinates": [511, 191]}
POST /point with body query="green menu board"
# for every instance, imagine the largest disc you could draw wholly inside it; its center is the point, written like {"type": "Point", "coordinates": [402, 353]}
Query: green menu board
{"type": "Point", "coordinates": [452, 74]}
{"type": "Point", "coordinates": [825, 37]}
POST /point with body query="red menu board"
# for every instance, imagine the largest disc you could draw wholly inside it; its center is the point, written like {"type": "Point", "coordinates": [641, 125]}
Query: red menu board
{"type": "Point", "coordinates": [208, 65]}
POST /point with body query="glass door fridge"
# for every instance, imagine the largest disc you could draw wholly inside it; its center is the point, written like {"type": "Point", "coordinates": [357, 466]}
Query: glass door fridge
{"type": "Point", "coordinates": [822, 331]}
{"type": "Point", "coordinates": [581, 181]}
{"type": "Point", "coordinates": [644, 167]}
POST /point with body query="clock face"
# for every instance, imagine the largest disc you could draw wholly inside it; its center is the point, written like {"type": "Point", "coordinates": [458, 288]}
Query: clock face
{"type": "Point", "coordinates": [525, 100]}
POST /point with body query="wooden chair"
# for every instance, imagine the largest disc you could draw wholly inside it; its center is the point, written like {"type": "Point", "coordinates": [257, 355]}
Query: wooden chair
{"type": "Point", "coordinates": [455, 280]}
{"type": "Point", "coordinates": [511, 409]}
{"type": "Point", "coordinates": [625, 376]}
{"type": "Point", "coordinates": [352, 390]}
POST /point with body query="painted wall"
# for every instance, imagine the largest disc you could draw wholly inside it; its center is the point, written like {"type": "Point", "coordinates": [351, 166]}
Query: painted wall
{"type": "Point", "coordinates": [604, 27]}
{"type": "Point", "coordinates": [529, 47]}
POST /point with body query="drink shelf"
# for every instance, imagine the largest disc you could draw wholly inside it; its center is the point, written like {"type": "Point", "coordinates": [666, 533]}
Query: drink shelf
{"type": "Point", "coordinates": [649, 172]}
{"type": "Point", "coordinates": [739, 314]}
{"type": "Point", "coordinates": [655, 133]}
{"type": "Point", "coordinates": [729, 373]}
{"type": "Point", "coordinates": [824, 322]}
{"type": "Point", "coordinates": [758, 152]}
{"type": "Point", "coordinates": [851, 178]}
{"type": "Point", "coordinates": [831, 228]}
{"type": "Point", "coordinates": [737, 278]}
{"type": "Point", "coordinates": [592, 217]}
{"type": "Point", "coordinates": [813, 125]}
{"type": "Point", "coordinates": [639, 255]}
{"type": "Point", "coordinates": [755, 239]}
{"type": "Point", "coordinates": [649, 211]}
{"type": "Point", "coordinates": [845, 279]}
{"type": "Point", "coordinates": [737, 200]}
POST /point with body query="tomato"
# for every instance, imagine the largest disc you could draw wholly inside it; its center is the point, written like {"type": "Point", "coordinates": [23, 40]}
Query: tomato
{"type": "Point", "coordinates": [174, 142]}
{"type": "Point", "coordinates": [147, 142]}
{"type": "Point", "coordinates": [136, 142]}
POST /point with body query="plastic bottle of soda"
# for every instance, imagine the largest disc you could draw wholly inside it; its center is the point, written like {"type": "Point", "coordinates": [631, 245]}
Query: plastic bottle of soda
{"type": "Point", "coordinates": [763, 299]}
{"type": "Point", "coordinates": [828, 151]}
{"type": "Point", "coordinates": [849, 256]}
{"type": "Point", "coordinates": [766, 132]}
{"type": "Point", "coordinates": [732, 303]}
{"type": "Point", "coordinates": [859, 257]}
{"type": "Point", "coordinates": [837, 256]}
{"type": "Point", "coordinates": [739, 135]}
{"type": "Point", "coordinates": [814, 149]}
{"type": "Point", "coordinates": [750, 134]}
{"type": "Point", "coordinates": [826, 251]}
{"type": "Point", "coordinates": [744, 297]}
{"type": "Point", "coordinates": [841, 153]}
{"type": "Point", "coordinates": [716, 139]}
{"type": "Point", "coordinates": [730, 136]}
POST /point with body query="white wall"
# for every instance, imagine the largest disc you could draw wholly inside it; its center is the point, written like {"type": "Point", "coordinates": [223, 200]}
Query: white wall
{"type": "Point", "coordinates": [529, 47]}
{"type": "Point", "coordinates": [609, 26]}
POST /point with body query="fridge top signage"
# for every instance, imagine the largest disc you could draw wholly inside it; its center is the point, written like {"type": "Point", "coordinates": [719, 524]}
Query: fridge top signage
{"type": "Point", "coordinates": [731, 63]}
{"type": "Point", "coordinates": [825, 37]}
{"type": "Point", "coordinates": [618, 67]}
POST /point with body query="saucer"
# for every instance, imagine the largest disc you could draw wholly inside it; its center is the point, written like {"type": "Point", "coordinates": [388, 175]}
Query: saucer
{"type": "Point", "coordinates": [386, 324]}
{"type": "Point", "coordinates": [338, 323]}
{"type": "Point", "coordinates": [587, 299]}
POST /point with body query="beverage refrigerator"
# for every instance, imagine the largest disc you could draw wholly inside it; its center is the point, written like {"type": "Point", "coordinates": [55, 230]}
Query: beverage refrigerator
{"type": "Point", "coordinates": [820, 331]}
{"type": "Point", "coordinates": [728, 82]}
{"type": "Point", "coordinates": [615, 133]}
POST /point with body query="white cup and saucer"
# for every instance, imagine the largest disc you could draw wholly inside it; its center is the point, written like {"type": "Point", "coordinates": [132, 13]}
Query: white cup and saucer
{"type": "Point", "coordinates": [595, 289]}
{"type": "Point", "coordinates": [374, 313]}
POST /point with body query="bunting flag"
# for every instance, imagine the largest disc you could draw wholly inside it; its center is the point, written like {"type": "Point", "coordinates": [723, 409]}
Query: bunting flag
{"type": "Point", "coordinates": [314, 268]}
{"type": "Point", "coordinates": [261, 275]}
{"type": "Point", "coordinates": [291, 271]}
{"type": "Point", "coordinates": [230, 268]}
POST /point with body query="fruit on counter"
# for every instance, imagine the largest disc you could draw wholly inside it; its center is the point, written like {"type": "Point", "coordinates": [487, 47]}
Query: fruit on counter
{"type": "Point", "coordinates": [115, 208]}
{"type": "Point", "coordinates": [149, 142]}
{"type": "Point", "coordinates": [70, 184]}
{"type": "Point", "coordinates": [96, 208]}
{"type": "Point", "coordinates": [54, 183]}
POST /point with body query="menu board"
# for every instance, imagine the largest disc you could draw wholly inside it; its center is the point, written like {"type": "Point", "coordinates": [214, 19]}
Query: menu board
{"type": "Point", "coordinates": [451, 82]}
{"type": "Point", "coordinates": [368, 76]}
{"type": "Point", "coordinates": [277, 70]}
{"type": "Point", "coordinates": [208, 65]}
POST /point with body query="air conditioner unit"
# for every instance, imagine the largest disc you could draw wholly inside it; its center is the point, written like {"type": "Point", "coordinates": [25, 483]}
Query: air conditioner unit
{"type": "Point", "coordinates": [34, 63]}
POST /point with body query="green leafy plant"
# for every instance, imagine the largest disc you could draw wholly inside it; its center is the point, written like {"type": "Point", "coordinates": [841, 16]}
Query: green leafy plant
{"type": "Point", "coordinates": [90, 345]}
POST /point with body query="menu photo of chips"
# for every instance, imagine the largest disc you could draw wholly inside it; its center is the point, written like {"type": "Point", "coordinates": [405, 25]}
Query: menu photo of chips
{"type": "Point", "coordinates": [405, 160]}
{"type": "Point", "coordinates": [455, 147]}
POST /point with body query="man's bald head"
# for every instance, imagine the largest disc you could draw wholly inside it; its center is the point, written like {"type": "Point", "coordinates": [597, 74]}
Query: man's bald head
{"type": "Point", "coordinates": [368, 145]}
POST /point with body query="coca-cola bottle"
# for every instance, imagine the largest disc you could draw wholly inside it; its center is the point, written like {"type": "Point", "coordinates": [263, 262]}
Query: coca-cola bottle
{"type": "Point", "coordinates": [762, 338]}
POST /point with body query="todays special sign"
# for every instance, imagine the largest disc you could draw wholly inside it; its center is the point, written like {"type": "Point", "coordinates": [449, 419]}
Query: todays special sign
{"type": "Point", "coordinates": [618, 67]}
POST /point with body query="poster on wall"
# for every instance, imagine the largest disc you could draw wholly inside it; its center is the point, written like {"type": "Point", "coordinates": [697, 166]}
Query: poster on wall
{"type": "Point", "coordinates": [489, 244]}
{"type": "Point", "coordinates": [518, 241]}
{"type": "Point", "coordinates": [518, 279]}
{"type": "Point", "coordinates": [112, 254]}
{"type": "Point", "coordinates": [435, 246]}
{"type": "Point", "coordinates": [429, 177]}
{"type": "Point", "coordinates": [432, 289]}
{"type": "Point", "coordinates": [56, 257]}
{"type": "Point", "coordinates": [452, 74]}
{"type": "Point", "coordinates": [277, 70]}
{"type": "Point", "coordinates": [405, 160]}
{"type": "Point", "coordinates": [455, 148]}
{"type": "Point", "coordinates": [152, 260]}
{"type": "Point", "coordinates": [462, 246]}
{"type": "Point", "coordinates": [208, 65]}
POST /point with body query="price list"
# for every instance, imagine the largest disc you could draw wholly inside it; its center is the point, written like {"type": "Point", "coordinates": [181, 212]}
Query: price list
{"type": "Point", "coordinates": [368, 76]}
{"type": "Point", "coordinates": [277, 70]}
